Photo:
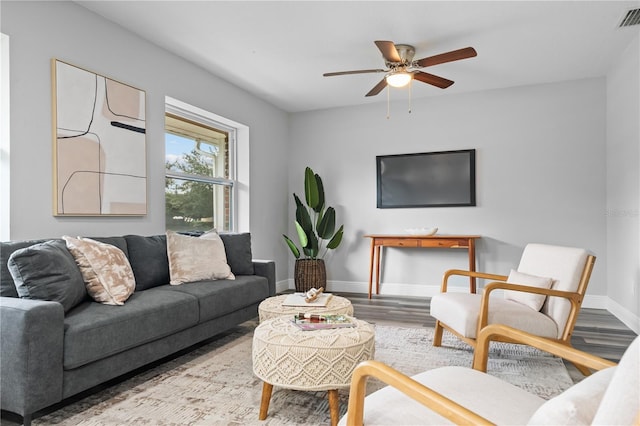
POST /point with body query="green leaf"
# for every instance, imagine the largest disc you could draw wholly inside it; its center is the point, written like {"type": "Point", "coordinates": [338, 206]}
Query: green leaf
{"type": "Point", "coordinates": [292, 246]}
{"type": "Point", "coordinates": [312, 248]}
{"type": "Point", "coordinates": [311, 189]}
{"type": "Point", "coordinates": [327, 225]}
{"type": "Point", "coordinates": [337, 239]}
{"type": "Point", "coordinates": [302, 235]}
{"type": "Point", "coordinates": [302, 216]}
{"type": "Point", "coordinates": [320, 205]}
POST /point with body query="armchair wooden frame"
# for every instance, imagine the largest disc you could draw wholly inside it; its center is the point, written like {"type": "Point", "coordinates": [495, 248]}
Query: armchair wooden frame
{"type": "Point", "coordinates": [575, 298]}
{"type": "Point", "coordinates": [443, 405]}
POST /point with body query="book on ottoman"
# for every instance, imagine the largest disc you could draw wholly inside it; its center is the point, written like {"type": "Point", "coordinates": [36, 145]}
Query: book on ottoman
{"type": "Point", "coordinates": [321, 322]}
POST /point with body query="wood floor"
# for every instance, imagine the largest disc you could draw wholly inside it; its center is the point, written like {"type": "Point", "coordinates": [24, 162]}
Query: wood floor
{"type": "Point", "coordinates": [597, 331]}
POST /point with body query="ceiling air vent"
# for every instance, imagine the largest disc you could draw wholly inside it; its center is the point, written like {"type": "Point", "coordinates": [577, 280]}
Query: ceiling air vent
{"type": "Point", "coordinates": [631, 18]}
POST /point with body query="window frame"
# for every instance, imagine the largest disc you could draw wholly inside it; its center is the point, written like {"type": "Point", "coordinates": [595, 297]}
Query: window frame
{"type": "Point", "coordinates": [197, 116]}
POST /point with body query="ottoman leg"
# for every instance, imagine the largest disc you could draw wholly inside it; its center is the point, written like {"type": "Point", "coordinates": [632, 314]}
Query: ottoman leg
{"type": "Point", "coordinates": [267, 388]}
{"type": "Point", "coordinates": [334, 406]}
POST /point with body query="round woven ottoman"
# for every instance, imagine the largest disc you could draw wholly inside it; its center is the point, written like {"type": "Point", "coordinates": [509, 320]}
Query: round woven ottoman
{"type": "Point", "coordinates": [272, 307]}
{"type": "Point", "coordinates": [318, 360]}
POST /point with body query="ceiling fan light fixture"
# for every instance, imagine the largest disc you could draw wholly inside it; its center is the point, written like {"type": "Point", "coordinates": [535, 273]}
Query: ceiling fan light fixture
{"type": "Point", "coordinates": [398, 79]}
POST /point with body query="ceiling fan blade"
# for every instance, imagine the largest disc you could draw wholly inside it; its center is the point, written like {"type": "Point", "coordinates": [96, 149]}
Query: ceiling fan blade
{"type": "Point", "coordinates": [454, 55]}
{"type": "Point", "coordinates": [330, 74]}
{"type": "Point", "coordinates": [434, 80]}
{"type": "Point", "coordinates": [378, 88]}
{"type": "Point", "coordinates": [389, 51]}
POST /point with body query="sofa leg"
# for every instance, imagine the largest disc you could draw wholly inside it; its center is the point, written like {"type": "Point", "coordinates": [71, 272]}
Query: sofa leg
{"type": "Point", "coordinates": [26, 420]}
{"type": "Point", "coordinates": [437, 334]}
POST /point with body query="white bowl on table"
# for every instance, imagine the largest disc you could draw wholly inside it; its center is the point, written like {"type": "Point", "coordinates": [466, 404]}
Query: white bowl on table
{"type": "Point", "coordinates": [421, 231]}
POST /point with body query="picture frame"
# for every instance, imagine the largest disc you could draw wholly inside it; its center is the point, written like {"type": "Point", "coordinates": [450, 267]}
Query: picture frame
{"type": "Point", "coordinates": [99, 144]}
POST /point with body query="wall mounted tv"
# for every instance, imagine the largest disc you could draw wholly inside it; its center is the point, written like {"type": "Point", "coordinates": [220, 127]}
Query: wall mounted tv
{"type": "Point", "coordinates": [427, 179]}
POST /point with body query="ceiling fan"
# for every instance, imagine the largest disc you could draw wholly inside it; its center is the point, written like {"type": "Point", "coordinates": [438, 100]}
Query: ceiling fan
{"type": "Point", "coordinates": [401, 68]}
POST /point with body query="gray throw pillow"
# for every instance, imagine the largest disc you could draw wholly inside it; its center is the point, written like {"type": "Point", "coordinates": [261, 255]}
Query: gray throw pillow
{"type": "Point", "coordinates": [238, 250]}
{"type": "Point", "coordinates": [47, 271]}
{"type": "Point", "coordinates": [148, 258]}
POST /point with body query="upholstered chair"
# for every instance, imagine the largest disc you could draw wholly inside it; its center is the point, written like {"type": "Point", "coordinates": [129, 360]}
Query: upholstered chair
{"type": "Point", "coordinates": [543, 297]}
{"type": "Point", "coordinates": [463, 395]}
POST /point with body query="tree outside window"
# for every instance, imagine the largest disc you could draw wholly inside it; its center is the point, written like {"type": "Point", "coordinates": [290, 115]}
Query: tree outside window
{"type": "Point", "coordinates": [198, 189]}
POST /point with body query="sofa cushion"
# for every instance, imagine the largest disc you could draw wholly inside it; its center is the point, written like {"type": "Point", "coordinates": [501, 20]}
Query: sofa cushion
{"type": "Point", "coordinates": [148, 258]}
{"type": "Point", "coordinates": [532, 300]}
{"type": "Point", "coordinates": [105, 269]}
{"type": "Point", "coordinates": [7, 286]}
{"type": "Point", "coordinates": [95, 331]}
{"type": "Point", "coordinates": [461, 311]}
{"type": "Point", "coordinates": [565, 265]}
{"type": "Point", "coordinates": [239, 256]}
{"type": "Point", "coordinates": [47, 271]}
{"type": "Point", "coordinates": [218, 298]}
{"type": "Point", "coordinates": [196, 259]}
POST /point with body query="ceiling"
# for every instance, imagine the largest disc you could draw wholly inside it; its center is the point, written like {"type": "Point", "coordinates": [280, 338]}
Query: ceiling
{"type": "Point", "coordinates": [278, 50]}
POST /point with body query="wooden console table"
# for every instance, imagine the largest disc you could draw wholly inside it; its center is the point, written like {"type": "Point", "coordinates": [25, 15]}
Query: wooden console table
{"type": "Point", "coordinates": [430, 241]}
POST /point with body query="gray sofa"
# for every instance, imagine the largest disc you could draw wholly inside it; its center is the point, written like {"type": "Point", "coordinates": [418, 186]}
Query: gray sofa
{"type": "Point", "coordinates": [47, 354]}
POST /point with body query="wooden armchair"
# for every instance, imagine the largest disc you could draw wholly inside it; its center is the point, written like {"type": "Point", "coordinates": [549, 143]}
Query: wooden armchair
{"type": "Point", "coordinates": [470, 396]}
{"type": "Point", "coordinates": [543, 297]}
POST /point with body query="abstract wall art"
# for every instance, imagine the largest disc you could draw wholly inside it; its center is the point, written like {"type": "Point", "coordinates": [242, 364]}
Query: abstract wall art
{"type": "Point", "coordinates": [99, 144]}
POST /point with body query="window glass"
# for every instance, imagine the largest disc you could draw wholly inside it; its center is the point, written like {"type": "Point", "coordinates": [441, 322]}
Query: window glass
{"type": "Point", "coordinates": [199, 188]}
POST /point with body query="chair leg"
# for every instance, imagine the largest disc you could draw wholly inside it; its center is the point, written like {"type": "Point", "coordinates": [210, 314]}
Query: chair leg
{"type": "Point", "coordinates": [267, 388]}
{"type": "Point", "coordinates": [334, 406]}
{"type": "Point", "coordinates": [437, 334]}
{"type": "Point", "coordinates": [582, 369]}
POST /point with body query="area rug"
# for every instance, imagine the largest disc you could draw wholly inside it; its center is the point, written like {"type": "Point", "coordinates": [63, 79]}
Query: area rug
{"type": "Point", "coordinates": [215, 385]}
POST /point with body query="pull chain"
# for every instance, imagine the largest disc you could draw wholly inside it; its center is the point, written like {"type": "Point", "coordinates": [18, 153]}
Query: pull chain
{"type": "Point", "coordinates": [410, 91]}
{"type": "Point", "coordinates": [388, 101]}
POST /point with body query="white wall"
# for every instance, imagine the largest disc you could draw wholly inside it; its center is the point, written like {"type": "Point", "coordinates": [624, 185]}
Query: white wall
{"type": "Point", "coordinates": [40, 31]}
{"type": "Point", "coordinates": [540, 178]}
{"type": "Point", "coordinates": [623, 185]}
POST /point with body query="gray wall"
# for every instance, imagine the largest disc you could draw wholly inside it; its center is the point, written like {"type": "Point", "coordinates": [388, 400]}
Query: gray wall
{"type": "Point", "coordinates": [623, 185]}
{"type": "Point", "coordinates": [540, 178]}
{"type": "Point", "coordinates": [40, 31]}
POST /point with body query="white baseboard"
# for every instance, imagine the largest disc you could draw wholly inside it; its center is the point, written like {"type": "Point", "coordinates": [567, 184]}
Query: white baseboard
{"type": "Point", "coordinates": [623, 314]}
{"type": "Point", "coordinates": [428, 290]}
{"type": "Point", "coordinates": [284, 285]}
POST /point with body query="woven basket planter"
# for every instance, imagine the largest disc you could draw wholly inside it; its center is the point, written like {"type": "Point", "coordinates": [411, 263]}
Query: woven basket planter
{"type": "Point", "coordinates": [310, 273]}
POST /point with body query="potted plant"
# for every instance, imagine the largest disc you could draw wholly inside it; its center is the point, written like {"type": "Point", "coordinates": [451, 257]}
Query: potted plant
{"type": "Point", "coordinates": [315, 227]}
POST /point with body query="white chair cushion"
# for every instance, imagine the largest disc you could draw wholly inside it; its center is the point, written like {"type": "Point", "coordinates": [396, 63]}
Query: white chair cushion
{"type": "Point", "coordinates": [621, 402]}
{"type": "Point", "coordinates": [564, 265]}
{"type": "Point", "coordinates": [460, 311]}
{"type": "Point", "coordinates": [577, 405]}
{"type": "Point", "coordinates": [479, 392]}
{"type": "Point", "coordinates": [532, 300]}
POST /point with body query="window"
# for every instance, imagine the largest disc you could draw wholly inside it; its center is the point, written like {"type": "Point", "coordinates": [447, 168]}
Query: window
{"type": "Point", "coordinates": [200, 184]}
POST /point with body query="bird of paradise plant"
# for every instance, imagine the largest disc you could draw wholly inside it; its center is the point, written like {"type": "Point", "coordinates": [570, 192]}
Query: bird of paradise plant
{"type": "Point", "coordinates": [315, 225]}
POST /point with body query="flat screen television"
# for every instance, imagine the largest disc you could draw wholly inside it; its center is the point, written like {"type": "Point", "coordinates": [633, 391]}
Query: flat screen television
{"type": "Point", "coordinates": [427, 179]}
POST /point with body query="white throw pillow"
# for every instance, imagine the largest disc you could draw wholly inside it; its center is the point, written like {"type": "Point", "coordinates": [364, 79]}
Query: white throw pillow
{"type": "Point", "coordinates": [196, 259]}
{"type": "Point", "coordinates": [532, 300]}
{"type": "Point", "coordinates": [105, 269]}
{"type": "Point", "coordinates": [577, 405]}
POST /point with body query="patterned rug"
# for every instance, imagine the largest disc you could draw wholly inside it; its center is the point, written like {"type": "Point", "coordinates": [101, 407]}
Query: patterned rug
{"type": "Point", "coordinates": [214, 384]}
